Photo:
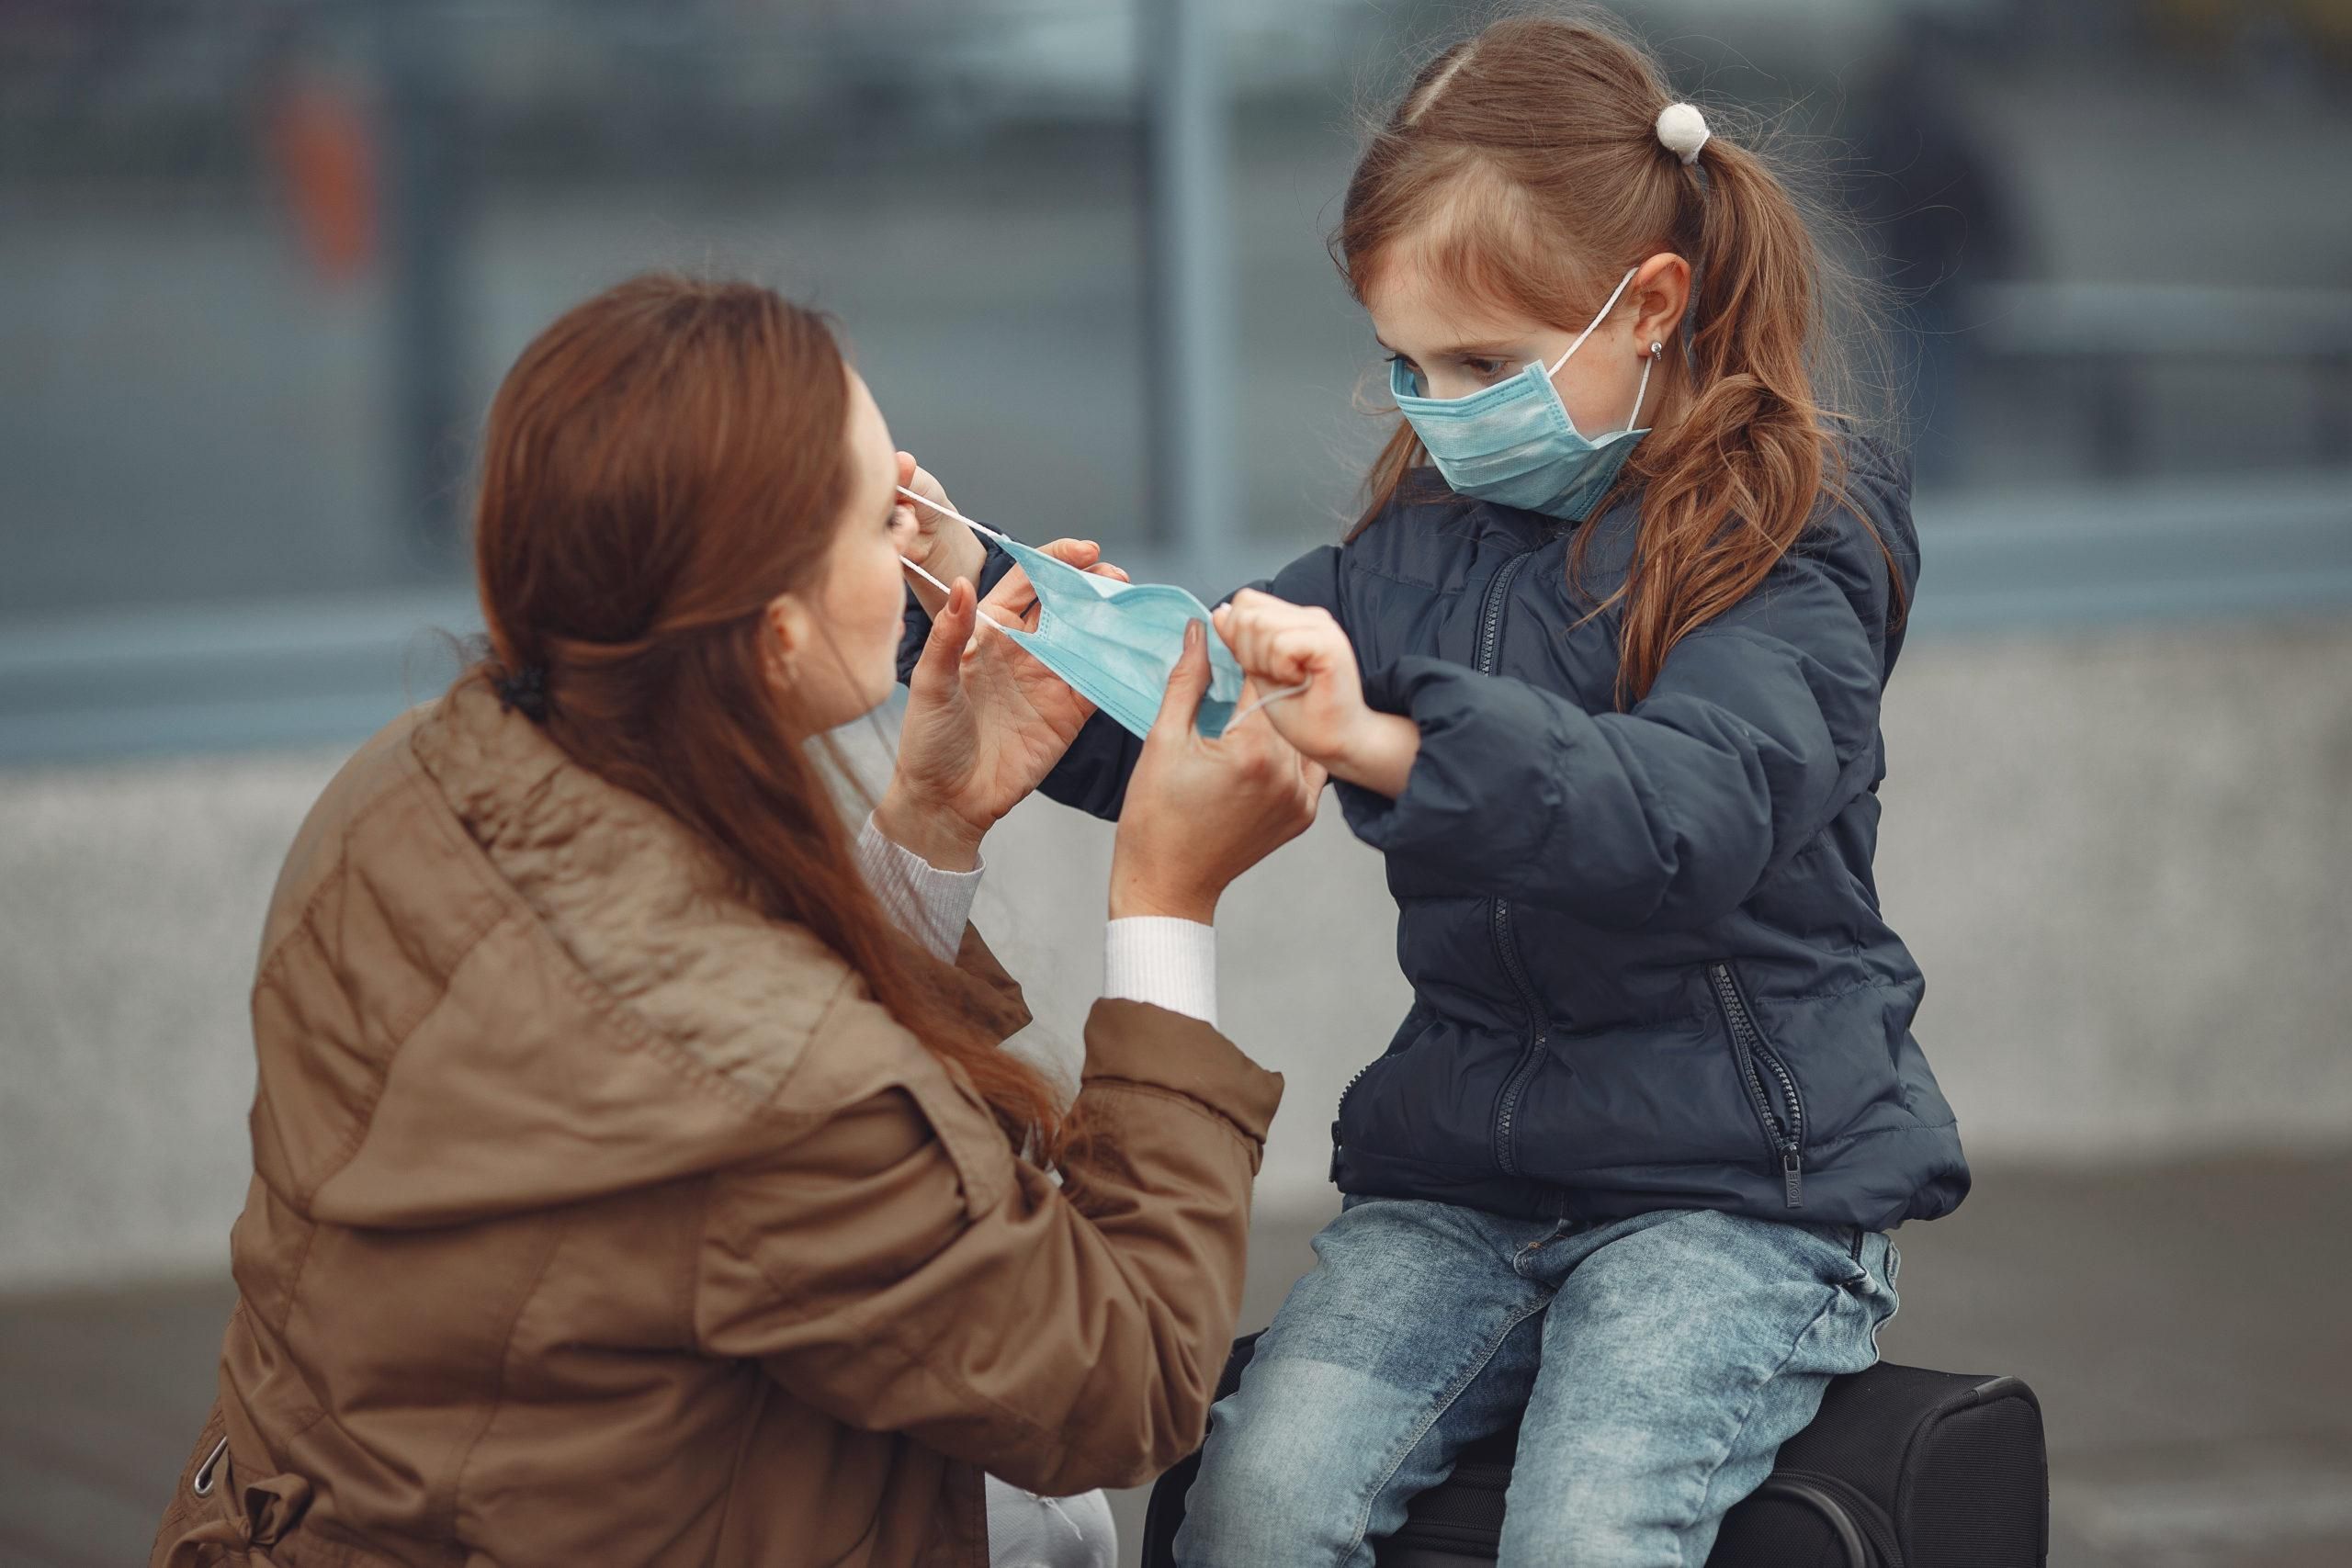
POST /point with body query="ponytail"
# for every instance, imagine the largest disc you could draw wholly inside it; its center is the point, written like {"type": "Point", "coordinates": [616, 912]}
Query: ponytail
{"type": "Point", "coordinates": [1728, 491]}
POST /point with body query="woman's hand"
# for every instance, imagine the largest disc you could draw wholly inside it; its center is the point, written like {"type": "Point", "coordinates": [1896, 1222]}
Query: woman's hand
{"type": "Point", "coordinates": [1199, 812]}
{"type": "Point", "coordinates": [985, 722]}
{"type": "Point", "coordinates": [1282, 645]}
{"type": "Point", "coordinates": [932, 539]}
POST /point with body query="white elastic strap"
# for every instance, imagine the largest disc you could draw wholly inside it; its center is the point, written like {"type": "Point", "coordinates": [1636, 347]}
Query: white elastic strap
{"type": "Point", "coordinates": [1268, 697]}
{"type": "Point", "coordinates": [951, 512]}
{"type": "Point", "coordinates": [984, 619]}
{"type": "Point", "coordinates": [1555, 369]}
{"type": "Point", "coordinates": [1641, 391]}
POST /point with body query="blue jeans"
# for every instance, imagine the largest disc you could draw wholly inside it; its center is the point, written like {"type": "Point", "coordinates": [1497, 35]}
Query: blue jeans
{"type": "Point", "coordinates": [1661, 1361]}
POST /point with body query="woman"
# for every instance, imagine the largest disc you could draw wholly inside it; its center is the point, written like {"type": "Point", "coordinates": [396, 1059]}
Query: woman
{"type": "Point", "coordinates": [626, 1188]}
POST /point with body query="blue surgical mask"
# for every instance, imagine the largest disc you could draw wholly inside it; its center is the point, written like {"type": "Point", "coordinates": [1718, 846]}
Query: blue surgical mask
{"type": "Point", "coordinates": [1115, 643]}
{"type": "Point", "coordinates": [1515, 444]}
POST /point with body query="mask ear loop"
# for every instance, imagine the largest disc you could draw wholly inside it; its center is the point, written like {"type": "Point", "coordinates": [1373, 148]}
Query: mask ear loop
{"type": "Point", "coordinates": [1270, 697]}
{"type": "Point", "coordinates": [951, 512]}
{"type": "Point", "coordinates": [981, 616]}
{"type": "Point", "coordinates": [1614, 294]}
{"type": "Point", "coordinates": [976, 527]}
{"type": "Point", "coordinates": [1649, 362]}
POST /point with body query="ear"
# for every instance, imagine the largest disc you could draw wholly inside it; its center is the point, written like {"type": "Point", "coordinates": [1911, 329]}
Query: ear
{"type": "Point", "coordinates": [792, 629]}
{"type": "Point", "coordinates": [1660, 292]}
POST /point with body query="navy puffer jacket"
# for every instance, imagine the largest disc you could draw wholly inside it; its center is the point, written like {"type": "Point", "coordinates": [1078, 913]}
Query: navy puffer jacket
{"type": "Point", "coordinates": [1647, 962]}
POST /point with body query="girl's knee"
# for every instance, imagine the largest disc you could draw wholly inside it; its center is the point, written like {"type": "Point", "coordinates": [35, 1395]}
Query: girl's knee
{"type": "Point", "coordinates": [1257, 1485]}
{"type": "Point", "coordinates": [1280, 1485]}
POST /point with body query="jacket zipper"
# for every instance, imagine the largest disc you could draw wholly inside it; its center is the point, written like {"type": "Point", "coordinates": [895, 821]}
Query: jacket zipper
{"type": "Point", "coordinates": [1783, 1135]}
{"type": "Point", "coordinates": [1498, 921]}
{"type": "Point", "coordinates": [1340, 1111]}
{"type": "Point", "coordinates": [1506, 949]}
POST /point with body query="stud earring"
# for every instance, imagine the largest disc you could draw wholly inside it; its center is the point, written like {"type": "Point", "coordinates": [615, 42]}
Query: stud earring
{"type": "Point", "coordinates": [1657, 349]}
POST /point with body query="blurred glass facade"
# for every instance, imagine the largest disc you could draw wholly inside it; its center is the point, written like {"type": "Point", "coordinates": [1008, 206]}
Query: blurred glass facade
{"type": "Point", "coordinates": [261, 265]}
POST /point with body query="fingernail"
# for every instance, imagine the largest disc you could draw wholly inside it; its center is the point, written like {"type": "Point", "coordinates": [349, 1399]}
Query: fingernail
{"type": "Point", "coordinates": [1192, 633]}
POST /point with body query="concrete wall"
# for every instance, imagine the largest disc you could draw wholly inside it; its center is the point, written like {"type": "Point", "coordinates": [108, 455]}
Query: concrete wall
{"type": "Point", "coordinates": [2125, 861]}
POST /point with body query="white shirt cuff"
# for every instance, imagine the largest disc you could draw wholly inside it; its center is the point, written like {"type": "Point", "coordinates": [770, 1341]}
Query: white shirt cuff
{"type": "Point", "coordinates": [1167, 962]}
{"type": "Point", "coordinates": [928, 904]}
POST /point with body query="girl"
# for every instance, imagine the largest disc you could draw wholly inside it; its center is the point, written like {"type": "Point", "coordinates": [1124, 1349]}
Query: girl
{"type": "Point", "coordinates": [626, 1188]}
{"type": "Point", "coordinates": [1604, 689]}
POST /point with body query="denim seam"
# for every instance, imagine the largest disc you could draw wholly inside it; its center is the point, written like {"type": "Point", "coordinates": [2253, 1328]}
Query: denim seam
{"type": "Point", "coordinates": [1436, 1413]}
{"type": "Point", "coordinates": [1890, 1263]}
{"type": "Point", "coordinates": [1755, 1398]}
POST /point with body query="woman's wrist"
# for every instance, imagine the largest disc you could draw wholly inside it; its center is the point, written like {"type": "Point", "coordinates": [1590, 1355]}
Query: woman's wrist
{"type": "Point", "coordinates": [1140, 892]}
{"type": "Point", "coordinates": [943, 838]}
{"type": "Point", "coordinates": [1379, 754]}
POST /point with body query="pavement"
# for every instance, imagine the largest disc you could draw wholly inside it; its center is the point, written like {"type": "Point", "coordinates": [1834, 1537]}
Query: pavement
{"type": "Point", "coordinates": [2183, 1325]}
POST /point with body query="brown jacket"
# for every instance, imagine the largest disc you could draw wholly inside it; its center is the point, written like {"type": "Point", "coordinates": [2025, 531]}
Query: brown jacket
{"type": "Point", "coordinates": [597, 1219]}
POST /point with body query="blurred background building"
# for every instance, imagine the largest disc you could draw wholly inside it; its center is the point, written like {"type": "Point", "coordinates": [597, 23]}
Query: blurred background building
{"type": "Point", "coordinates": [261, 265]}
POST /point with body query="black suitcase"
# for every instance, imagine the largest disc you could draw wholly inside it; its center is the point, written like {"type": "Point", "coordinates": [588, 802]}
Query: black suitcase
{"type": "Point", "coordinates": [1902, 1468]}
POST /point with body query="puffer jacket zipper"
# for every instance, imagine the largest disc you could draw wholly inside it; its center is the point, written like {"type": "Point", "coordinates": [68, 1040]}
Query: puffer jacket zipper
{"type": "Point", "coordinates": [1498, 919]}
{"type": "Point", "coordinates": [1353, 1078]}
{"type": "Point", "coordinates": [1783, 1129]}
{"type": "Point", "coordinates": [1490, 628]}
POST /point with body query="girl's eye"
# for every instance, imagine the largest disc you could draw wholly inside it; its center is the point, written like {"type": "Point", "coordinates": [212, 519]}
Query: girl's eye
{"type": "Point", "coordinates": [1485, 369]}
{"type": "Point", "coordinates": [1411, 369]}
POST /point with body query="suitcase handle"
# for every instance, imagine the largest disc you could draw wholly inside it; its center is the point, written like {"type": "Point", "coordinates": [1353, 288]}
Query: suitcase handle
{"type": "Point", "coordinates": [1799, 1487]}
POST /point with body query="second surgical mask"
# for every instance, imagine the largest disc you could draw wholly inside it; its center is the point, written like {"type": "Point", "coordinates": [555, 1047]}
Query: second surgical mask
{"type": "Point", "coordinates": [1115, 643]}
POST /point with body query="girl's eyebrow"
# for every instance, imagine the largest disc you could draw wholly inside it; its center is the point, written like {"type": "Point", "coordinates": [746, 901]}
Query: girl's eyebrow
{"type": "Point", "coordinates": [1462, 351]}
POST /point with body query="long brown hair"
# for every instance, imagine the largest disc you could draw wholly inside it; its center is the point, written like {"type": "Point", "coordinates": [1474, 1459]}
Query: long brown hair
{"type": "Point", "coordinates": [661, 463]}
{"type": "Point", "coordinates": [1525, 164]}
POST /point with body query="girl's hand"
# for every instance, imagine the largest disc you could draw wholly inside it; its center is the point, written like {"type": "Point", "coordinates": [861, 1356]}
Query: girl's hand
{"type": "Point", "coordinates": [1199, 812]}
{"type": "Point", "coordinates": [1282, 645]}
{"type": "Point", "coordinates": [932, 540]}
{"type": "Point", "coordinates": [985, 722]}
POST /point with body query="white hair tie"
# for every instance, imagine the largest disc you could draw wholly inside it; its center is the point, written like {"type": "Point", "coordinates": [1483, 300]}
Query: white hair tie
{"type": "Point", "coordinates": [1683, 130]}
